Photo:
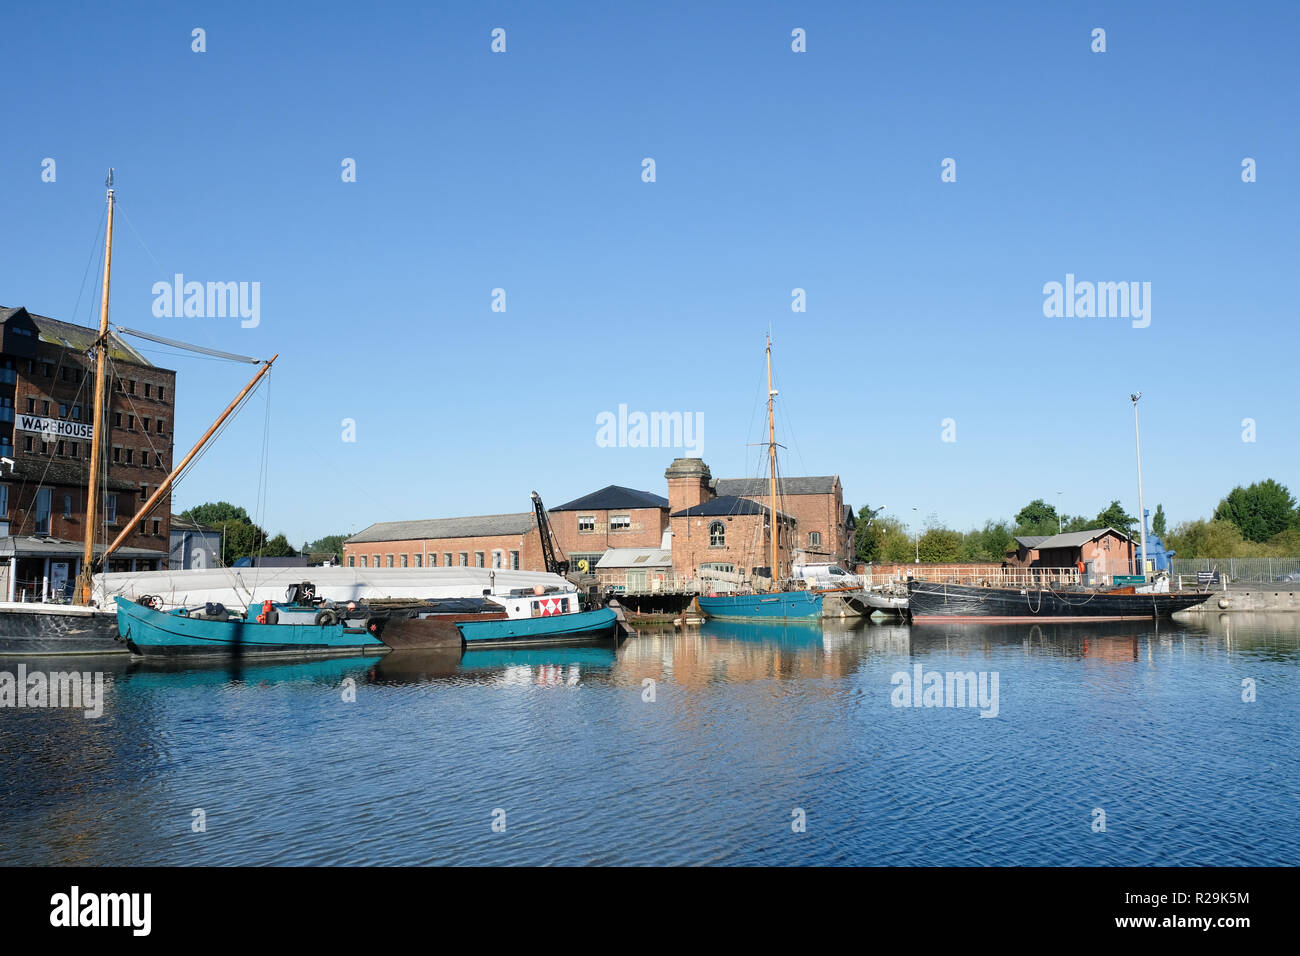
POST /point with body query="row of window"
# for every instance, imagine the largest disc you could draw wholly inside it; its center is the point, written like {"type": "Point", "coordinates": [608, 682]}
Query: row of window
{"type": "Point", "coordinates": [128, 387]}
{"type": "Point", "coordinates": [587, 523]}
{"type": "Point", "coordinates": [160, 423]}
{"type": "Point", "coordinates": [43, 507]}
{"type": "Point", "coordinates": [72, 449]}
{"type": "Point", "coordinates": [374, 560]}
{"type": "Point", "coordinates": [73, 374]}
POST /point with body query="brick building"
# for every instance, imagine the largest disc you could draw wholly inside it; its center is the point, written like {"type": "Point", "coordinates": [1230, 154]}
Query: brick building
{"type": "Point", "coordinates": [47, 376]}
{"type": "Point", "coordinates": [825, 523]}
{"type": "Point", "coordinates": [509, 541]}
{"type": "Point", "coordinates": [1104, 552]}
{"type": "Point", "coordinates": [613, 517]}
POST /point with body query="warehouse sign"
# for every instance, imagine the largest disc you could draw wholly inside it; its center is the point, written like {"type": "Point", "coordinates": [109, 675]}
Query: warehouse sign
{"type": "Point", "coordinates": [55, 427]}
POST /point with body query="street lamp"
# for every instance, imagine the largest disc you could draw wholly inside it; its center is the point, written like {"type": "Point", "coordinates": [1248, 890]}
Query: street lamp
{"type": "Point", "coordinates": [1059, 519]}
{"type": "Point", "coordinates": [1142, 521]}
{"type": "Point", "coordinates": [917, 536]}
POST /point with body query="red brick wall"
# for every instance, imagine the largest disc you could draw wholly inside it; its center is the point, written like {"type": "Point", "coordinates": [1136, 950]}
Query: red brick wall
{"type": "Point", "coordinates": [646, 531]}
{"type": "Point", "coordinates": [746, 547]}
{"type": "Point", "coordinates": [528, 545]}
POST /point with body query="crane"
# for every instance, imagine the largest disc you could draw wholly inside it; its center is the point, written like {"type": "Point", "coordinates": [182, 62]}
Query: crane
{"type": "Point", "coordinates": [553, 565]}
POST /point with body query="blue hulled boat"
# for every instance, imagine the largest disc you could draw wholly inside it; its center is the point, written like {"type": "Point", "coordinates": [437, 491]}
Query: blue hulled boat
{"type": "Point", "coordinates": [770, 606]}
{"type": "Point", "coordinates": [177, 633]}
{"type": "Point", "coordinates": [597, 625]}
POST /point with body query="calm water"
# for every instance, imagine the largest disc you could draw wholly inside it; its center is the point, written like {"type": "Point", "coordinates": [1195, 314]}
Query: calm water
{"type": "Point", "coordinates": [748, 723]}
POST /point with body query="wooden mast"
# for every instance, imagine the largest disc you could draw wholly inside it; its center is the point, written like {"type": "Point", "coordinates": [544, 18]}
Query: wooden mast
{"type": "Point", "coordinates": [771, 457]}
{"type": "Point", "coordinates": [86, 582]}
{"type": "Point", "coordinates": [166, 485]}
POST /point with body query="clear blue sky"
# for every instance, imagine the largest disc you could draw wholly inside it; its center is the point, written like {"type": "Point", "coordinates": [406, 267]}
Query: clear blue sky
{"type": "Point", "coordinates": [775, 170]}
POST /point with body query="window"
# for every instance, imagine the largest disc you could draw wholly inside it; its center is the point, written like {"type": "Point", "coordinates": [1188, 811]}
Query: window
{"type": "Point", "coordinates": [403, 560]}
{"type": "Point", "coordinates": [63, 409]}
{"type": "Point", "coordinates": [144, 457]}
{"type": "Point", "coordinates": [498, 559]}
{"type": "Point", "coordinates": [363, 560]}
{"type": "Point", "coordinates": [433, 559]}
{"type": "Point", "coordinates": [130, 456]}
{"type": "Point", "coordinates": [717, 535]}
{"type": "Point", "coordinates": [47, 369]}
{"type": "Point", "coordinates": [76, 450]}
{"type": "Point", "coordinates": [157, 526]}
{"type": "Point", "coordinates": [117, 454]}
{"type": "Point", "coordinates": [157, 460]}
{"type": "Point", "coordinates": [110, 509]}
{"type": "Point", "coordinates": [352, 560]}
{"type": "Point", "coordinates": [144, 488]}
{"type": "Point", "coordinates": [76, 413]}
{"type": "Point", "coordinates": [147, 387]}
{"type": "Point", "coordinates": [27, 443]}
{"type": "Point", "coordinates": [43, 511]}
{"type": "Point", "coordinates": [620, 522]}
{"type": "Point", "coordinates": [446, 559]}
{"type": "Point", "coordinates": [160, 396]}
{"type": "Point", "coordinates": [161, 429]}
{"type": "Point", "coordinates": [58, 449]}
{"type": "Point", "coordinates": [418, 559]}
{"type": "Point", "coordinates": [31, 405]}
{"type": "Point", "coordinates": [117, 419]}
{"type": "Point", "coordinates": [514, 560]}
{"type": "Point", "coordinates": [45, 407]}
{"type": "Point", "coordinates": [586, 524]}
{"type": "Point", "coordinates": [130, 423]}
{"type": "Point", "coordinates": [814, 539]}
{"type": "Point", "coordinates": [130, 386]}
{"type": "Point", "coordinates": [4, 501]}
{"type": "Point", "coordinates": [464, 559]}
{"type": "Point", "coordinates": [478, 559]}
{"type": "Point", "coordinates": [144, 424]}
{"type": "Point", "coordinates": [388, 560]}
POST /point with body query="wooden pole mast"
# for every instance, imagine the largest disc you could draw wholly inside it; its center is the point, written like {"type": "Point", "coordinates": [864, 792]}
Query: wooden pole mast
{"type": "Point", "coordinates": [771, 457]}
{"type": "Point", "coordinates": [86, 582]}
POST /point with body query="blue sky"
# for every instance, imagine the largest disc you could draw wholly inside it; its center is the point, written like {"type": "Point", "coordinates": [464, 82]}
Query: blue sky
{"type": "Point", "coordinates": [774, 170]}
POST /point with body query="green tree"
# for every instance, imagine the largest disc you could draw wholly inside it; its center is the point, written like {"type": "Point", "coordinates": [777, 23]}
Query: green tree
{"type": "Point", "coordinates": [1037, 517]}
{"type": "Point", "coordinates": [1208, 539]}
{"type": "Point", "coordinates": [1116, 517]}
{"type": "Point", "coordinates": [278, 547]}
{"type": "Point", "coordinates": [940, 546]}
{"type": "Point", "coordinates": [866, 537]}
{"type": "Point", "coordinates": [1158, 522]}
{"type": "Point", "coordinates": [333, 544]}
{"type": "Point", "coordinates": [1260, 511]}
{"type": "Point", "coordinates": [989, 543]}
{"type": "Point", "coordinates": [214, 513]}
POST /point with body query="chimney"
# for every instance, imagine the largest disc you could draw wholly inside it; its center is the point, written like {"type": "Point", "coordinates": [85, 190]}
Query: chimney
{"type": "Point", "coordinates": [688, 484]}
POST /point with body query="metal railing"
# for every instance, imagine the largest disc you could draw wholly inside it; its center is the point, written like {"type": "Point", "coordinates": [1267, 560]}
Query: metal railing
{"type": "Point", "coordinates": [992, 577]}
{"type": "Point", "coordinates": [1242, 570]}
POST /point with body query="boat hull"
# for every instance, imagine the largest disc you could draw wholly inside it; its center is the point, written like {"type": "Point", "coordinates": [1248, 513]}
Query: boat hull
{"type": "Point", "coordinates": [958, 602]}
{"type": "Point", "coordinates": [771, 606]}
{"type": "Point", "coordinates": [150, 633]}
{"type": "Point", "coordinates": [51, 629]}
{"type": "Point", "coordinates": [597, 625]}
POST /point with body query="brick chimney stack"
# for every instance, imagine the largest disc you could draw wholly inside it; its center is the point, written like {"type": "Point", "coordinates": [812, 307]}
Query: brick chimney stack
{"type": "Point", "coordinates": [688, 484]}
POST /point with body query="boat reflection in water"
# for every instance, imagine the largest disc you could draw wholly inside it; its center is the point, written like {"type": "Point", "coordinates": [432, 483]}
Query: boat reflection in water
{"type": "Point", "coordinates": [554, 664]}
{"type": "Point", "coordinates": [169, 672]}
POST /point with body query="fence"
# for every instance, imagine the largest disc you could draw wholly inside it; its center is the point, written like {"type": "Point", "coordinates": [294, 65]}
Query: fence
{"type": "Point", "coordinates": [1241, 570]}
{"type": "Point", "coordinates": [976, 574]}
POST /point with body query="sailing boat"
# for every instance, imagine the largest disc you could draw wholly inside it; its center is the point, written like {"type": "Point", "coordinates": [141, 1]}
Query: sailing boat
{"type": "Point", "coordinates": [82, 628]}
{"type": "Point", "coordinates": [774, 605]}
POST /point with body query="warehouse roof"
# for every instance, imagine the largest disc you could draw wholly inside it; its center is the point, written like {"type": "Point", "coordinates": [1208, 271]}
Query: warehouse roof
{"type": "Point", "coordinates": [726, 505]}
{"type": "Point", "coordinates": [474, 527]}
{"type": "Point", "coordinates": [1074, 539]}
{"type": "Point", "coordinates": [614, 496]}
{"type": "Point", "coordinates": [80, 338]}
{"type": "Point", "coordinates": [752, 487]}
{"type": "Point", "coordinates": [636, 558]}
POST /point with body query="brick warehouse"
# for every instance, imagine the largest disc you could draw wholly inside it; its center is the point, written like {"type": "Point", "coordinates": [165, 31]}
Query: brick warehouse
{"type": "Point", "coordinates": [814, 523]}
{"type": "Point", "coordinates": [46, 406]}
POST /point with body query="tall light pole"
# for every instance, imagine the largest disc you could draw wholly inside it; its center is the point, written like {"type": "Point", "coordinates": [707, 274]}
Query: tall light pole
{"type": "Point", "coordinates": [1142, 521]}
{"type": "Point", "coordinates": [917, 536]}
{"type": "Point", "coordinates": [1059, 526]}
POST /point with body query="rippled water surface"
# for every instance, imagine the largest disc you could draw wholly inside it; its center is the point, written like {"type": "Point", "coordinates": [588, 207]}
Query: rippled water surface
{"type": "Point", "coordinates": [750, 730]}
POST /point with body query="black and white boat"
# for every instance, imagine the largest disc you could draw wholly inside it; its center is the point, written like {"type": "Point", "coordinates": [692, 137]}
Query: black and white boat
{"type": "Point", "coordinates": [934, 601]}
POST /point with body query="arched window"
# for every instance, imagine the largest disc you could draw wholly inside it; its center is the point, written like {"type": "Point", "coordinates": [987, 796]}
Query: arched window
{"type": "Point", "coordinates": [717, 535]}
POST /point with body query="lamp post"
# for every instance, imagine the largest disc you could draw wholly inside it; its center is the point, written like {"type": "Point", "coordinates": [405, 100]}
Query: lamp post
{"type": "Point", "coordinates": [1059, 519]}
{"type": "Point", "coordinates": [1142, 524]}
{"type": "Point", "coordinates": [917, 536]}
